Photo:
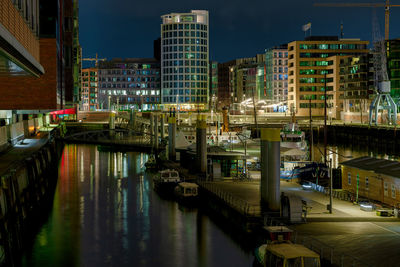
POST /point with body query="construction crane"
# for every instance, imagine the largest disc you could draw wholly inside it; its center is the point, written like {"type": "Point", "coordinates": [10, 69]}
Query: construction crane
{"type": "Point", "coordinates": [96, 59]}
{"type": "Point", "coordinates": [382, 100]}
{"type": "Point", "coordinates": [386, 5]}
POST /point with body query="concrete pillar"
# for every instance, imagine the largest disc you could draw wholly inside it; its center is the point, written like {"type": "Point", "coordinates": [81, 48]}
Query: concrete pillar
{"type": "Point", "coordinates": [270, 168]}
{"type": "Point", "coordinates": [201, 144]}
{"type": "Point", "coordinates": [162, 131]}
{"type": "Point", "coordinates": [44, 120]}
{"type": "Point", "coordinates": [14, 119]}
{"type": "Point", "coordinates": [171, 138]}
{"type": "Point", "coordinates": [112, 123]}
{"type": "Point", "coordinates": [132, 119]}
{"type": "Point", "coordinates": [156, 131]}
{"type": "Point", "coordinates": [151, 130]}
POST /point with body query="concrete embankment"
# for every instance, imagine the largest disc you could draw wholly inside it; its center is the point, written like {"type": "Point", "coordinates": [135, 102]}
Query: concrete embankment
{"type": "Point", "coordinates": [28, 174]}
{"type": "Point", "coordinates": [229, 202]}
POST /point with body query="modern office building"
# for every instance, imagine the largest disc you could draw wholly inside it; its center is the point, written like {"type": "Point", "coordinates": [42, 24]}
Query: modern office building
{"type": "Point", "coordinates": [357, 85]}
{"type": "Point", "coordinates": [184, 60]}
{"type": "Point", "coordinates": [157, 49]}
{"type": "Point", "coordinates": [276, 67]}
{"type": "Point", "coordinates": [76, 55]}
{"type": "Point", "coordinates": [132, 83]}
{"type": "Point", "coordinates": [213, 84]}
{"type": "Point", "coordinates": [247, 84]}
{"type": "Point", "coordinates": [308, 63]}
{"type": "Point", "coordinates": [89, 90]}
{"type": "Point", "coordinates": [224, 93]}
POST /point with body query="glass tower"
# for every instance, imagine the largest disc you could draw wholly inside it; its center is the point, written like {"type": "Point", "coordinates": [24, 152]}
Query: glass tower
{"type": "Point", "coordinates": [184, 60]}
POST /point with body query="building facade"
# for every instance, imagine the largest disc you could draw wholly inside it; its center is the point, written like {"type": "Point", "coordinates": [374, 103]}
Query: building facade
{"type": "Point", "coordinates": [19, 24]}
{"type": "Point", "coordinates": [357, 85]}
{"type": "Point", "coordinates": [276, 67]}
{"type": "Point", "coordinates": [308, 63]}
{"type": "Point", "coordinates": [372, 178]}
{"type": "Point", "coordinates": [247, 84]}
{"type": "Point", "coordinates": [40, 63]}
{"type": "Point", "coordinates": [89, 92]}
{"type": "Point", "coordinates": [76, 55]}
{"type": "Point", "coordinates": [213, 84]}
{"type": "Point", "coordinates": [184, 60]}
{"type": "Point", "coordinates": [393, 63]}
{"type": "Point", "coordinates": [224, 93]}
{"type": "Point", "coordinates": [132, 83]}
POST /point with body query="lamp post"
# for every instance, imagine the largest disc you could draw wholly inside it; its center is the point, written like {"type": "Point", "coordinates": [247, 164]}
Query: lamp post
{"type": "Point", "coordinates": [330, 208]}
{"type": "Point", "coordinates": [330, 186]}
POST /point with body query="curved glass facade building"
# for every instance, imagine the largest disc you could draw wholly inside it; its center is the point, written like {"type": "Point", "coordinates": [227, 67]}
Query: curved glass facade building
{"type": "Point", "coordinates": [184, 60]}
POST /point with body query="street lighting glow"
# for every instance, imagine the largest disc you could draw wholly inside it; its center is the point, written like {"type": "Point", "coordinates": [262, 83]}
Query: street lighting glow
{"type": "Point", "coordinates": [366, 206]}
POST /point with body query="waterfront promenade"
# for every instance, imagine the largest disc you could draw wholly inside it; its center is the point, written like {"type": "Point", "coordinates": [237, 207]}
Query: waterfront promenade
{"type": "Point", "coordinates": [348, 234]}
{"type": "Point", "coordinates": [26, 147]}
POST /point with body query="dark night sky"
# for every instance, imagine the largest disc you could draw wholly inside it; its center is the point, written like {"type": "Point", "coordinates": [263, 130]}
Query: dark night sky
{"type": "Point", "coordinates": [127, 28]}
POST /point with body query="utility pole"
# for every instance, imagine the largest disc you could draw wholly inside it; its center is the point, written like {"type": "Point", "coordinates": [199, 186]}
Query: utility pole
{"type": "Point", "coordinates": [330, 186]}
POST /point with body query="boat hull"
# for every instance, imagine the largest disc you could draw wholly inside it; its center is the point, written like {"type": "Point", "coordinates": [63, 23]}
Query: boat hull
{"type": "Point", "coordinates": [165, 188]}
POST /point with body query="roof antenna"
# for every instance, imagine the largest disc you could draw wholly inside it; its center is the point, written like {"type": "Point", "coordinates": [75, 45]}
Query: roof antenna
{"type": "Point", "coordinates": [341, 30]}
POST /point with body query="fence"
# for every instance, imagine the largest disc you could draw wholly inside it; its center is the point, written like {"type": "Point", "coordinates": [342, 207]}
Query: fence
{"type": "Point", "coordinates": [328, 253]}
{"type": "Point", "coordinates": [236, 203]}
{"type": "Point", "coordinates": [339, 194]}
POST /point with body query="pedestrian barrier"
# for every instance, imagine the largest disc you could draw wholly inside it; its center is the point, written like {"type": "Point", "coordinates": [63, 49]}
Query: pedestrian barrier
{"type": "Point", "coordinates": [328, 254]}
{"type": "Point", "coordinates": [236, 203]}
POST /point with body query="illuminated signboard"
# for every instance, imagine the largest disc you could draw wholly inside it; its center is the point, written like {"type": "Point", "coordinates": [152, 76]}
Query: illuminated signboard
{"type": "Point", "coordinates": [187, 18]}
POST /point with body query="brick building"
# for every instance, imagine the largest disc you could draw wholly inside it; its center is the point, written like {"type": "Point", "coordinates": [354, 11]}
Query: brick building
{"type": "Point", "coordinates": [37, 82]}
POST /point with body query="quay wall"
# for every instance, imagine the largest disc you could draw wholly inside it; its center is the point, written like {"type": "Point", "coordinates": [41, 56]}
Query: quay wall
{"type": "Point", "coordinates": [374, 139]}
{"type": "Point", "coordinates": [26, 190]}
{"type": "Point", "coordinates": [221, 208]}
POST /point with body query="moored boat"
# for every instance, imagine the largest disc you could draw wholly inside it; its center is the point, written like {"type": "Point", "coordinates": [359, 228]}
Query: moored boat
{"type": "Point", "coordinates": [166, 181]}
{"type": "Point", "coordinates": [285, 254]}
{"type": "Point", "coordinates": [187, 193]}
{"type": "Point", "coordinates": [151, 163]}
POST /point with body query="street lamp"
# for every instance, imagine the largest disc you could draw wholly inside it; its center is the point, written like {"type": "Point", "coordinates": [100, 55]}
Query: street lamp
{"type": "Point", "coordinates": [331, 178]}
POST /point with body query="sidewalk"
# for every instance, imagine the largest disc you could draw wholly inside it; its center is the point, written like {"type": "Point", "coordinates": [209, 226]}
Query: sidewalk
{"type": "Point", "coordinates": [22, 150]}
{"type": "Point", "coordinates": [342, 210]}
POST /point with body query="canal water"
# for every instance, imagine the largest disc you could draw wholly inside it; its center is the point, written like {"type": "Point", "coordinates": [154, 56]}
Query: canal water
{"type": "Point", "coordinates": [105, 213]}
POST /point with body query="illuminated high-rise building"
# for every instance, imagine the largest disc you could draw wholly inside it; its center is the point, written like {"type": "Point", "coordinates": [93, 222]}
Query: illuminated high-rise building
{"type": "Point", "coordinates": [184, 60]}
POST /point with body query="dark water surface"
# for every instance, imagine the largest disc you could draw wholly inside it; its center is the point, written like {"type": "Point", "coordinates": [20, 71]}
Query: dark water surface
{"type": "Point", "coordinates": [105, 213]}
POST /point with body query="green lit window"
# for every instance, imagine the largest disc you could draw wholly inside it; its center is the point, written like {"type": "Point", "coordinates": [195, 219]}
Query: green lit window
{"type": "Point", "coordinates": [307, 80]}
{"type": "Point", "coordinates": [321, 63]}
{"type": "Point", "coordinates": [307, 72]}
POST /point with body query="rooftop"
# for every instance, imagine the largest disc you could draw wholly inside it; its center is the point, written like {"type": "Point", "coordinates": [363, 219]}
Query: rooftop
{"type": "Point", "coordinates": [321, 38]}
{"type": "Point", "coordinates": [379, 166]}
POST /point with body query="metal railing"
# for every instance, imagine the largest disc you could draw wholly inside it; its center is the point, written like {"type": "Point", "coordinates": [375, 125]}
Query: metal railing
{"type": "Point", "coordinates": [234, 202]}
{"type": "Point", "coordinates": [328, 254]}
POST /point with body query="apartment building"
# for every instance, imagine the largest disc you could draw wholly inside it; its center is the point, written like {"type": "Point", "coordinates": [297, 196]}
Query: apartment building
{"type": "Point", "coordinates": [89, 90]}
{"type": "Point", "coordinates": [276, 67]}
{"type": "Point", "coordinates": [312, 63]}
{"type": "Point", "coordinates": [357, 86]}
